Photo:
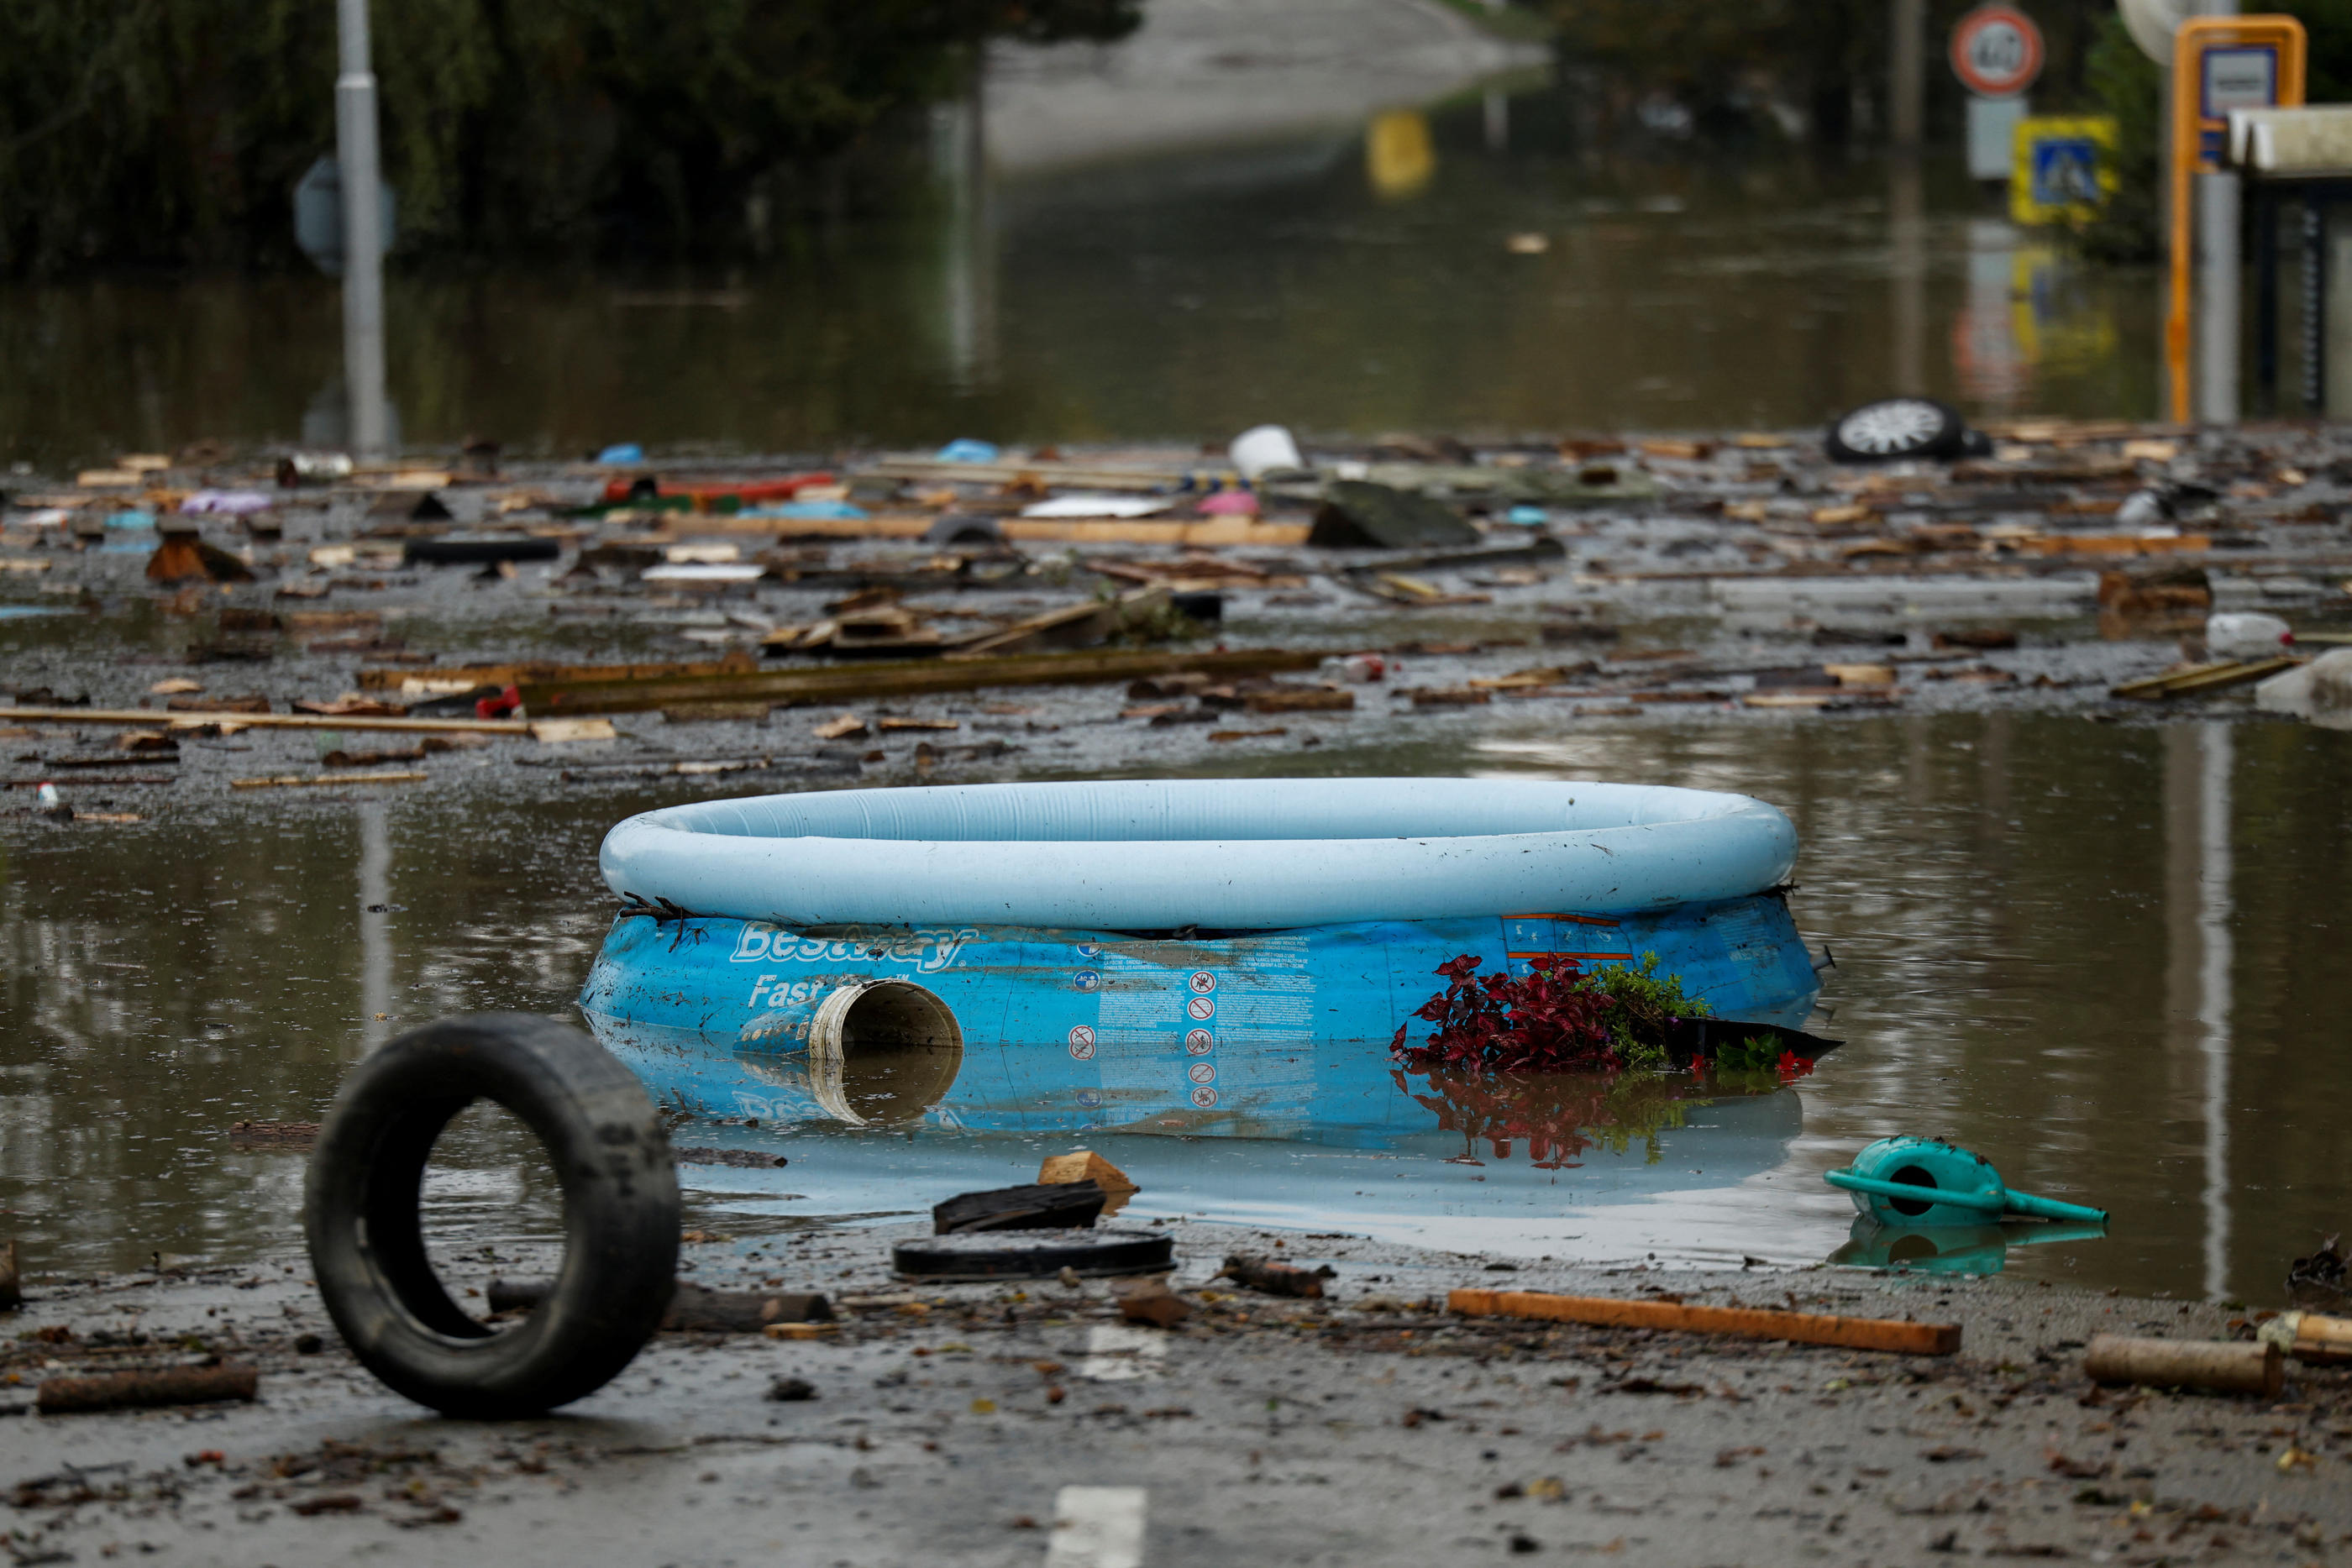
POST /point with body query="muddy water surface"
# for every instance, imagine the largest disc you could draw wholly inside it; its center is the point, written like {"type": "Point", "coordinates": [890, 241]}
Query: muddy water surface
{"type": "Point", "coordinates": [1659, 284]}
{"type": "Point", "coordinates": [2109, 957]}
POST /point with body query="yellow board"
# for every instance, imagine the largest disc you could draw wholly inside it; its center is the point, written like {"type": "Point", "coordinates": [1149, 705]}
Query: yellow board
{"type": "Point", "coordinates": [2219, 63]}
{"type": "Point", "coordinates": [2063, 169]}
{"type": "Point", "coordinates": [1398, 156]}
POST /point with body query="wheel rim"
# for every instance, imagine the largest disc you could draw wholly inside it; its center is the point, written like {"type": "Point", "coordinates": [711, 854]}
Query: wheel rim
{"type": "Point", "coordinates": [1887, 429]}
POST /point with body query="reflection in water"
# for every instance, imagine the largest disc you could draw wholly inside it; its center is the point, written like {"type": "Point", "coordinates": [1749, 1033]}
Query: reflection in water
{"type": "Point", "coordinates": [1558, 1116]}
{"type": "Point", "coordinates": [1952, 1249]}
{"type": "Point", "coordinates": [1907, 226]}
{"type": "Point", "coordinates": [967, 238]}
{"type": "Point", "coordinates": [1398, 157]}
{"type": "Point", "coordinates": [2213, 989]}
{"type": "Point", "coordinates": [1180, 295]}
{"type": "Point", "coordinates": [889, 1084]}
{"type": "Point", "coordinates": [375, 925]}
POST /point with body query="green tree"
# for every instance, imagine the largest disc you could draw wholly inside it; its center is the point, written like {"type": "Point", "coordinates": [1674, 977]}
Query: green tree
{"type": "Point", "coordinates": [171, 131]}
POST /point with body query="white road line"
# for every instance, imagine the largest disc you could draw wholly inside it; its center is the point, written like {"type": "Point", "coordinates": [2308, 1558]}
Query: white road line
{"type": "Point", "coordinates": [1097, 1527]}
{"type": "Point", "coordinates": [1115, 1351]}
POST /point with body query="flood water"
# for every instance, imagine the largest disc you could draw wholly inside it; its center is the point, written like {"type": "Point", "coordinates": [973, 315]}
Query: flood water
{"type": "Point", "coordinates": [2108, 957]}
{"type": "Point", "coordinates": [1183, 295]}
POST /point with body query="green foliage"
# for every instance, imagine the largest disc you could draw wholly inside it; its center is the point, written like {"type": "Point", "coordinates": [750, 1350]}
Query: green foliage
{"type": "Point", "coordinates": [1757, 1053]}
{"type": "Point", "coordinates": [2129, 87]}
{"type": "Point", "coordinates": [1641, 1105]}
{"type": "Point", "coordinates": [171, 131]}
{"type": "Point", "coordinates": [1642, 1006]}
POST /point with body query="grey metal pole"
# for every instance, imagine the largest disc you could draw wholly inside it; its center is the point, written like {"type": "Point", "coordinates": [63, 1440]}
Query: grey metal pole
{"type": "Point", "coordinates": [1906, 72]}
{"type": "Point", "coordinates": [2218, 286]}
{"type": "Point", "coordinates": [355, 156]}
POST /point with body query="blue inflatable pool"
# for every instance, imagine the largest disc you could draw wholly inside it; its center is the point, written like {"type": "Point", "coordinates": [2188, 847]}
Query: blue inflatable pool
{"type": "Point", "coordinates": [1194, 955]}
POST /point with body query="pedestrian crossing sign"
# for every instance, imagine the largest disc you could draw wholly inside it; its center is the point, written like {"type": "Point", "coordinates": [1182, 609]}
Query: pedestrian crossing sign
{"type": "Point", "coordinates": [2063, 170]}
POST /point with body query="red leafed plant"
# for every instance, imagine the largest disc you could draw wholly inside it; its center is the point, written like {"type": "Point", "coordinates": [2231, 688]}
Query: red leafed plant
{"type": "Point", "coordinates": [1547, 1023]}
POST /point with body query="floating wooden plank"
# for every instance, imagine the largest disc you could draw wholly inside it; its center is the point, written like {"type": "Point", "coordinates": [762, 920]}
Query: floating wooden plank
{"type": "Point", "coordinates": [331, 780]}
{"type": "Point", "coordinates": [465, 677]}
{"type": "Point", "coordinates": [1798, 1328]}
{"type": "Point", "coordinates": [838, 683]}
{"type": "Point", "coordinates": [1089, 621]}
{"type": "Point", "coordinates": [2113, 544]}
{"type": "Point", "coordinates": [2218, 675]}
{"type": "Point", "coordinates": [152, 720]}
{"type": "Point", "coordinates": [1071, 476]}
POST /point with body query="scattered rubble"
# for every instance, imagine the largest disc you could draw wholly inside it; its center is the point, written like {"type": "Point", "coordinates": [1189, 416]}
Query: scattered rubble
{"type": "Point", "coordinates": [1369, 591]}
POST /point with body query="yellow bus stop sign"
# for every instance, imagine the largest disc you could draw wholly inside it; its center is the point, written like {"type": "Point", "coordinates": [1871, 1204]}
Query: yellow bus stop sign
{"type": "Point", "coordinates": [2065, 168]}
{"type": "Point", "coordinates": [2218, 64]}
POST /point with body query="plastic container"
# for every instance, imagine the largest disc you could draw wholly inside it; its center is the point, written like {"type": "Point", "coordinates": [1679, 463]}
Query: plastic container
{"type": "Point", "coordinates": [1264, 449]}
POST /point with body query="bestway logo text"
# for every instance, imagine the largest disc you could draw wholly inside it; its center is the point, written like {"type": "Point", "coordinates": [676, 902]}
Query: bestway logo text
{"type": "Point", "coordinates": [929, 951]}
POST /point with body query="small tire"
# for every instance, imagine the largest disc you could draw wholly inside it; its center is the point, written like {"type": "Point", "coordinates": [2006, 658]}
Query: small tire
{"type": "Point", "coordinates": [361, 1219]}
{"type": "Point", "coordinates": [1897, 427]}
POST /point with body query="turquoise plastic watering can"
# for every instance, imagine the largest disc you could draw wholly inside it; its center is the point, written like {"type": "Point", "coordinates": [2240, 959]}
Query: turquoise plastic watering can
{"type": "Point", "coordinates": [1914, 1182]}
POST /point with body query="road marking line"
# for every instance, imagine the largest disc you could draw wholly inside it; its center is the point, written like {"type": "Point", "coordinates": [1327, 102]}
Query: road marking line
{"type": "Point", "coordinates": [1097, 1527]}
{"type": "Point", "coordinates": [1115, 1351]}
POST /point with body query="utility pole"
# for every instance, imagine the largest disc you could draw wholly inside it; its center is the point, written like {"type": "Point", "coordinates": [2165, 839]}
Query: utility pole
{"type": "Point", "coordinates": [355, 155]}
{"type": "Point", "coordinates": [1906, 74]}
{"type": "Point", "coordinates": [2217, 203]}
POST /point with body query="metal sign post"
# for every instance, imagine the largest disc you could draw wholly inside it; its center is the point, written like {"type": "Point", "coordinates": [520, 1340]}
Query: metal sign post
{"type": "Point", "coordinates": [355, 152]}
{"type": "Point", "coordinates": [2218, 64]}
{"type": "Point", "coordinates": [1996, 51]}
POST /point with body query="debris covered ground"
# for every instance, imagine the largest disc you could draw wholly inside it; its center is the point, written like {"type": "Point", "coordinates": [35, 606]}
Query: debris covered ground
{"type": "Point", "coordinates": [941, 1422]}
{"type": "Point", "coordinates": [893, 620]}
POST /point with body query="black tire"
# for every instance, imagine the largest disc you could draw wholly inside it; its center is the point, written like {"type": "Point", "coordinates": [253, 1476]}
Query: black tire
{"type": "Point", "coordinates": [611, 1156]}
{"type": "Point", "coordinates": [1897, 427]}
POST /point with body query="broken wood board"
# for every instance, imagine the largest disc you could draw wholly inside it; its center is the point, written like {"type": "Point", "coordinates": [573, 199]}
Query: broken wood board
{"type": "Point", "coordinates": [838, 683]}
{"type": "Point", "coordinates": [917, 526]}
{"type": "Point", "coordinates": [1070, 475]}
{"type": "Point", "coordinates": [2112, 544]}
{"type": "Point", "coordinates": [331, 780]}
{"type": "Point", "coordinates": [261, 720]}
{"type": "Point", "coordinates": [465, 677]}
{"type": "Point", "coordinates": [2198, 679]}
{"type": "Point", "coordinates": [1797, 1328]}
{"type": "Point", "coordinates": [1071, 625]}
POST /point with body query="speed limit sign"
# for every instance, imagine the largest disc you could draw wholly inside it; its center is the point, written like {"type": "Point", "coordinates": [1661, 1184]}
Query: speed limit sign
{"type": "Point", "coordinates": [1996, 51]}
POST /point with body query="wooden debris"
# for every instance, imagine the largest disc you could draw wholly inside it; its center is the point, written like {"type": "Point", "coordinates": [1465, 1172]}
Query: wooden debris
{"type": "Point", "coordinates": [272, 1135]}
{"type": "Point", "coordinates": [1275, 1278]}
{"type": "Point", "coordinates": [1085, 1164]}
{"type": "Point", "coordinates": [1299, 699]}
{"type": "Point", "coordinates": [1798, 1328]}
{"type": "Point", "coordinates": [838, 684]}
{"type": "Point", "coordinates": [1149, 1301]}
{"type": "Point", "coordinates": [1072, 625]}
{"type": "Point", "coordinates": [325, 780]}
{"type": "Point", "coordinates": [451, 679]}
{"type": "Point", "coordinates": [263, 720]}
{"type": "Point", "coordinates": [693, 1309]}
{"type": "Point", "coordinates": [12, 1288]}
{"type": "Point", "coordinates": [2195, 680]}
{"type": "Point", "coordinates": [165, 1385]}
{"type": "Point", "coordinates": [2306, 1337]}
{"type": "Point", "coordinates": [563, 731]}
{"type": "Point", "coordinates": [2218, 1366]}
{"type": "Point", "coordinates": [1040, 1206]}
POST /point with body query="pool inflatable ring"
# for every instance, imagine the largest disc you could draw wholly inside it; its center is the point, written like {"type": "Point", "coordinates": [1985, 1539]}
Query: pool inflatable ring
{"type": "Point", "coordinates": [1229, 956]}
{"type": "Point", "coordinates": [1217, 853]}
